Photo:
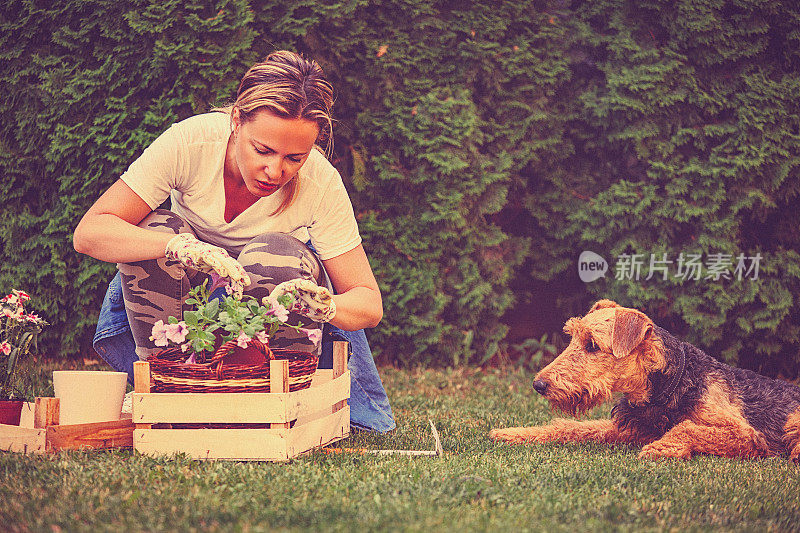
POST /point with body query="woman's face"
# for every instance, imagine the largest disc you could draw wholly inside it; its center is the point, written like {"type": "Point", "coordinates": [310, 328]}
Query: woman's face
{"type": "Point", "coordinates": [269, 150]}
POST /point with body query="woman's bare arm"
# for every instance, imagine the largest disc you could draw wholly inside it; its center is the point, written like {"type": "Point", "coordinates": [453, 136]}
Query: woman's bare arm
{"type": "Point", "coordinates": [358, 302]}
{"type": "Point", "coordinates": [108, 230]}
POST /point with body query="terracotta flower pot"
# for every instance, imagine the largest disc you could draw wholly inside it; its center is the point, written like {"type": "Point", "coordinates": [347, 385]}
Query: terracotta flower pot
{"type": "Point", "coordinates": [10, 411]}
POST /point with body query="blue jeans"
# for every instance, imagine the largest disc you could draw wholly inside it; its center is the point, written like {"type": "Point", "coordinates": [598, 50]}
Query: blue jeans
{"type": "Point", "coordinates": [369, 405]}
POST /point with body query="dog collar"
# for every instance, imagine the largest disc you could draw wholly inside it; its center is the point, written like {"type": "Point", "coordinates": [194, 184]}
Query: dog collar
{"type": "Point", "coordinates": [663, 397]}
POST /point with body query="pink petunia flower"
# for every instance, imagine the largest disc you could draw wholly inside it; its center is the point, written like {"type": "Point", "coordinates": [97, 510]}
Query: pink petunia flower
{"type": "Point", "coordinates": [159, 333]}
{"type": "Point", "coordinates": [276, 309]}
{"type": "Point", "coordinates": [5, 347]}
{"type": "Point", "coordinates": [177, 332]}
{"type": "Point", "coordinates": [242, 340]}
{"type": "Point", "coordinates": [314, 335]}
{"type": "Point", "coordinates": [191, 359]}
{"type": "Point", "coordinates": [262, 337]}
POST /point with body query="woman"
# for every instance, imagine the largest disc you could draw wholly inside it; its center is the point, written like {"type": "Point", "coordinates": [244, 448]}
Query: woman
{"type": "Point", "coordinates": [245, 182]}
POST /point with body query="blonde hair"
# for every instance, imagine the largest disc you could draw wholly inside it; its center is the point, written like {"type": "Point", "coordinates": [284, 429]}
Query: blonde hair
{"type": "Point", "coordinates": [289, 86]}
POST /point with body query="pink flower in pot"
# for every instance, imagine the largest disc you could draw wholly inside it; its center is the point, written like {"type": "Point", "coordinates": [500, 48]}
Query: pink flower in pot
{"type": "Point", "coordinates": [159, 333]}
{"type": "Point", "coordinates": [314, 335]}
{"type": "Point", "coordinates": [242, 340]}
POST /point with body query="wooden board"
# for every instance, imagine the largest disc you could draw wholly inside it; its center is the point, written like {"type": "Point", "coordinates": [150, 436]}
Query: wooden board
{"type": "Point", "coordinates": [22, 439]}
{"type": "Point", "coordinates": [114, 434]}
{"type": "Point", "coordinates": [340, 355]}
{"type": "Point", "coordinates": [320, 432]}
{"type": "Point", "coordinates": [308, 401]}
{"type": "Point", "coordinates": [238, 408]}
{"type": "Point", "coordinates": [26, 416]}
{"type": "Point", "coordinates": [321, 377]}
{"type": "Point", "coordinates": [213, 443]}
{"type": "Point", "coordinates": [279, 444]}
{"type": "Point", "coordinates": [279, 382]}
{"type": "Point", "coordinates": [39, 432]}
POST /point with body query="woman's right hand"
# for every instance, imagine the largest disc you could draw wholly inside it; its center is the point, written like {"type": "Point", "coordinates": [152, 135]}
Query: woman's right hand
{"type": "Point", "coordinates": [311, 300]}
{"type": "Point", "coordinates": [199, 255]}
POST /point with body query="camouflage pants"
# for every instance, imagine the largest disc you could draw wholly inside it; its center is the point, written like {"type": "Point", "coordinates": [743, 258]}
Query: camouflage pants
{"type": "Point", "coordinates": [155, 289]}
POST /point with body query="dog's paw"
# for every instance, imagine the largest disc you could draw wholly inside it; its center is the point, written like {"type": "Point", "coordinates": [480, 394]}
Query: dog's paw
{"type": "Point", "coordinates": [658, 450]}
{"type": "Point", "coordinates": [795, 455]}
{"type": "Point", "coordinates": [515, 435]}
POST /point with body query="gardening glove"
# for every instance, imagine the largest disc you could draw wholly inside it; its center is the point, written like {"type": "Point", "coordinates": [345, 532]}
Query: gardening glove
{"type": "Point", "coordinates": [310, 300]}
{"type": "Point", "coordinates": [192, 253]}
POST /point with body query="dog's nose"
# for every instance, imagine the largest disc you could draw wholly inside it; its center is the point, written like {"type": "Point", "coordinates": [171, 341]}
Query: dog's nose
{"type": "Point", "coordinates": [540, 386]}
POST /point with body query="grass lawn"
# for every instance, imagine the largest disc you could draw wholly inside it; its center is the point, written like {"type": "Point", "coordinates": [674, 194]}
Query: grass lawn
{"type": "Point", "coordinates": [477, 486]}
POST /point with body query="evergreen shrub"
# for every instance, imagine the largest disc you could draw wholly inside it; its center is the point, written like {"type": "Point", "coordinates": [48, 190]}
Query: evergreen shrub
{"type": "Point", "coordinates": [484, 144]}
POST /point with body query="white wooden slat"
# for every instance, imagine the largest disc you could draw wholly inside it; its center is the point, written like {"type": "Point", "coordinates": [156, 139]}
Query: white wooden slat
{"type": "Point", "coordinates": [309, 401]}
{"type": "Point", "coordinates": [244, 444]}
{"type": "Point", "coordinates": [237, 408]}
{"type": "Point", "coordinates": [238, 444]}
{"type": "Point", "coordinates": [26, 416]}
{"type": "Point", "coordinates": [279, 382]}
{"type": "Point", "coordinates": [232, 408]}
{"type": "Point", "coordinates": [319, 432]}
{"type": "Point", "coordinates": [20, 439]}
{"type": "Point", "coordinates": [321, 376]}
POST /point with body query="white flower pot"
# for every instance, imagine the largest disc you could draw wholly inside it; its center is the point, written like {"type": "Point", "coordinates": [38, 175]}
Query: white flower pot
{"type": "Point", "coordinates": [89, 395]}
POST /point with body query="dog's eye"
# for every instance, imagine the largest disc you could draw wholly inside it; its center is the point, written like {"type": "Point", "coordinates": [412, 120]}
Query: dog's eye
{"type": "Point", "coordinates": [592, 346]}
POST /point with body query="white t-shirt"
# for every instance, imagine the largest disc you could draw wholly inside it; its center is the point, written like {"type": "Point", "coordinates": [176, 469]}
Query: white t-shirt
{"type": "Point", "coordinates": [186, 163]}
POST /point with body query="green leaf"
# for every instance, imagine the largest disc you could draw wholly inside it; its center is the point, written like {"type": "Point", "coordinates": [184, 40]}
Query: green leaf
{"type": "Point", "coordinates": [211, 309]}
{"type": "Point", "coordinates": [191, 318]}
{"type": "Point", "coordinates": [12, 360]}
{"type": "Point", "coordinates": [286, 300]}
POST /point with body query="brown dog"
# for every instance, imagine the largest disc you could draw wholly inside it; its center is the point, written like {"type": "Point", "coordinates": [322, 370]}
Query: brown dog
{"type": "Point", "coordinates": [676, 399]}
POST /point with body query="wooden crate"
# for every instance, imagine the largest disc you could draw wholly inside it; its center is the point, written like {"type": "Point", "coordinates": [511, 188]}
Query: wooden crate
{"type": "Point", "coordinates": [40, 432]}
{"type": "Point", "coordinates": [297, 421]}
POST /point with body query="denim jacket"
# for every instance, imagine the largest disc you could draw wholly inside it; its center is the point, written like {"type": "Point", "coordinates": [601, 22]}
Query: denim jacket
{"type": "Point", "coordinates": [369, 406]}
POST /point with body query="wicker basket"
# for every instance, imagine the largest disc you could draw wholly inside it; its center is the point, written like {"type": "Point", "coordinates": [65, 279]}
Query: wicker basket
{"type": "Point", "coordinates": [170, 373]}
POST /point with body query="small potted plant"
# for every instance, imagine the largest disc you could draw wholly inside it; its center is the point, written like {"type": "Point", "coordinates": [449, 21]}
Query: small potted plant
{"type": "Point", "coordinates": [233, 330]}
{"type": "Point", "coordinates": [19, 335]}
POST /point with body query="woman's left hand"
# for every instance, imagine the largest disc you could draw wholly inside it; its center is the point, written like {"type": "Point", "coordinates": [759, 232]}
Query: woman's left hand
{"type": "Point", "coordinates": [310, 300]}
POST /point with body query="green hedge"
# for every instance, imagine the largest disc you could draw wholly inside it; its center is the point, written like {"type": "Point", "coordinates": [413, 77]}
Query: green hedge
{"type": "Point", "coordinates": [485, 145]}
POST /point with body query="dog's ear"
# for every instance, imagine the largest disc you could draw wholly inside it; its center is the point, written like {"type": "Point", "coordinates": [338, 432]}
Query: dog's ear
{"type": "Point", "coordinates": [603, 304]}
{"type": "Point", "coordinates": [630, 328]}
